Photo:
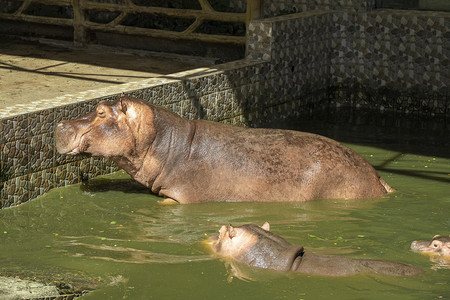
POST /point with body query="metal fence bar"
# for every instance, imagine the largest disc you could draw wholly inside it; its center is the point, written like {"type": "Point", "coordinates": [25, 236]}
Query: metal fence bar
{"type": "Point", "coordinates": [49, 2]}
{"type": "Point", "coordinates": [157, 33]}
{"type": "Point", "coordinates": [169, 12]}
{"type": "Point", "coordinates": [81, 23]}
{"type": "Point", "coordinates": [37, 19]}
{"type": "Point", "coordinates": [79, 20]}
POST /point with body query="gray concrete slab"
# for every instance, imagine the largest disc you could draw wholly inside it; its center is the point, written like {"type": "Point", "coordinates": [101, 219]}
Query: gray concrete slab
{"type": "Point", "coordinates": [17, 289]}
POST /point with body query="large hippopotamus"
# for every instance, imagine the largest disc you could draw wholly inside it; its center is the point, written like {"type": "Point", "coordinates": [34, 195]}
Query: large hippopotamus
{"type": "Point", "coordinates": [192, 161]}
{"type": "Point", "coordinates": [439, 245]}
{"type": "Point", "coordinates": [258, 247]}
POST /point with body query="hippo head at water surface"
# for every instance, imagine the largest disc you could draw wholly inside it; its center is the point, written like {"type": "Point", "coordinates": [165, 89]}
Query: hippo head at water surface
{"type": "Point", "coordinates": [192, 161]}
{"type": "Point", "coordinates": [439, 245]}
{"type": "Point", "coordinates": [258, 247]}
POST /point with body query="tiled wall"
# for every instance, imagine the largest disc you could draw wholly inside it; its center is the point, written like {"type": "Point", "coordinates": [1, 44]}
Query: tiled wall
{"type": "Point", "coordinates": [387, 59]}
{"type": "Point", "coordinates": [392, 60]}
{"type": "Point", "coordinates": [397, 60]}
{"type": "Point", "coordinates": [298, 49]}
{"type": "Point", "coordinates": [30, 164]}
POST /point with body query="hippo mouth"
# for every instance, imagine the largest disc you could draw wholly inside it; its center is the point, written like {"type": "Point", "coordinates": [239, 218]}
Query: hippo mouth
{"type": "Point", "coordinates": [213, 242]}
{"type": "Point", "coordinates": [214, 238]}
{"type": "Point", "coordinates": [81, 148]}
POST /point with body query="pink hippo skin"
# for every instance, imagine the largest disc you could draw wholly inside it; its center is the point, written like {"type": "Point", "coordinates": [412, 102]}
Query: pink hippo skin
{"type": "Point", "coordinates": [258, 247]}
{"type": "Point", "coordinates": [192, 161]}
{"type": "Point", "coordinates": [439, 245]}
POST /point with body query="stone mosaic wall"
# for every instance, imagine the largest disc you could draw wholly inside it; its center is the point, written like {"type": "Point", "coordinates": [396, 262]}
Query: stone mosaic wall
{"type": "Point", "coordinates": [396, 60]}
{"type": "Point", "coordinates": [30, 164]}
{"type": "Point", "coordinates": [298, 49]}
{"type": "Point", "coordinates": [387, 59]}
{"type": "Point", "coordinates": [392, 60]}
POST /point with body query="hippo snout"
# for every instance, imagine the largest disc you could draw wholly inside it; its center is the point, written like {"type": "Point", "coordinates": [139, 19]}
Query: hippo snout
{"type": "Point", "coordinates": [417, 246]}
{"type": "Point", "coordinates": [65, 135]}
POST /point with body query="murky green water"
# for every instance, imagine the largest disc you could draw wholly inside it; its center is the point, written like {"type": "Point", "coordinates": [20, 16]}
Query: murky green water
{"type": "Point", "coordinates": [111, 229]}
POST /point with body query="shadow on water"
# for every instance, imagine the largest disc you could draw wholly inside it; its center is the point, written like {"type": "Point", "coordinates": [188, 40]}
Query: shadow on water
{"type": "Point", "coordinates": [132, 247]}
{"type": "Point", "coordinates": [398, 132]}
{"type": "Point", "coordinates": [422, 174]}
{"type": "Point", "coordinates": [124, 185]}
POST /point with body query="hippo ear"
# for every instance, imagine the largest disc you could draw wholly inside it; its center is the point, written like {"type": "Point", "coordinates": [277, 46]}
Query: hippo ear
{"type": "Point", "coordinates": [123, 106]}
{"type": "Point", "coordinates": [231, 232]}
{"type": "Point", "coordinates": [266, 226]}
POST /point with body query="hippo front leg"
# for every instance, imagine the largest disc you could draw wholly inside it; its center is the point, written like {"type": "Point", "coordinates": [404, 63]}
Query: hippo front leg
{"type": "Point", "coordinates": [168, 201]}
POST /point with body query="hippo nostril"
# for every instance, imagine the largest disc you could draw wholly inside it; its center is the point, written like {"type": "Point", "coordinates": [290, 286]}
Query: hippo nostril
{"type": "Point", "coordinates": [65, 127]}
{"type": "Point", "coordinates": [64, 131]}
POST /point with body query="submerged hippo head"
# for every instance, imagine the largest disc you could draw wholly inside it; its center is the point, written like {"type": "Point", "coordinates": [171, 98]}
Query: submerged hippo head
{"type": "Point", "coordinates": [439, 245]}
{"type": "Point", "coordinates": [114, 129]}
{"type": "Point", "coordinates": [256, 246]}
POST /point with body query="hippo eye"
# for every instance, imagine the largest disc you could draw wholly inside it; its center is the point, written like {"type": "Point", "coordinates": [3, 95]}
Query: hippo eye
{"type": "Point", "coordinates": [101, 113]}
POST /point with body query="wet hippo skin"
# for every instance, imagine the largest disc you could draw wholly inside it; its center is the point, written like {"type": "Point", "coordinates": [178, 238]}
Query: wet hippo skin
{"type": "Point", "coordinates": [191, 161]}
{"type": "Point", "coordinates": [439, 245]}
{"type": "Point", "coordinates": [258, 247]}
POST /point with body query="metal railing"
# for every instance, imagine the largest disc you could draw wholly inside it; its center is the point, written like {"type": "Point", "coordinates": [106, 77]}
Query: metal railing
{"type": "Point", "coordinates": [82, 24]}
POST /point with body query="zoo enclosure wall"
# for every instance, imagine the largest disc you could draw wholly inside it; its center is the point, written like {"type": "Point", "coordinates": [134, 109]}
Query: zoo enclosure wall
{"type": "Point", "coordinates": [354, 56]}
{"type": "Point", "coordinates": [218, 25]}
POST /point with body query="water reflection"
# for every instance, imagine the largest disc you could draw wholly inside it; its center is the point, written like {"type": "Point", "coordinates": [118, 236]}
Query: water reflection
{"type": "Point", "coordinates": [111, 226]}
{"type": "Point", "coordinates": [440, 262]}
{"type": "Point", "coordinates": [121, 254]}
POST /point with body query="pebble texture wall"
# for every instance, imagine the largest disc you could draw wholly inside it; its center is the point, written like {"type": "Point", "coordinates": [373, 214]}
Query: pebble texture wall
{"type": "Point", "coordinates": [386, 59]}
{"type": "Point", "coordinates": [345, 53]}
{"type": "Point", "coordinates": [30, 164]}
{"type": "Point", "coordinates": [391, 59]}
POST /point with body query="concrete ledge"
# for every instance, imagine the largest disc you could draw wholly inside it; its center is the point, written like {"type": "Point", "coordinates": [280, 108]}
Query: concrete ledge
{"type": "Point", "coordinates": [11, 288]}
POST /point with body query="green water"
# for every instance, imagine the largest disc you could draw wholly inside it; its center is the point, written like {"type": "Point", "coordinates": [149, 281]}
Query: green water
{"type": "Point", "coordinates": [113, 230]}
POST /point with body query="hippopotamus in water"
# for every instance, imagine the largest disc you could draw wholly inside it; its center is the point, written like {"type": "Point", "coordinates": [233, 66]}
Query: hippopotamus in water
{"type": "Point", "coordinates": [192, 161]}
{"type": "Point", "coordinates": [439, 245]}
{"type": "Point", "coordinates": [258, 247]}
